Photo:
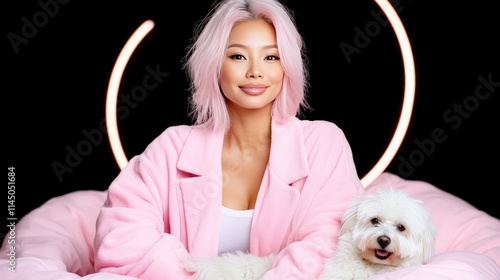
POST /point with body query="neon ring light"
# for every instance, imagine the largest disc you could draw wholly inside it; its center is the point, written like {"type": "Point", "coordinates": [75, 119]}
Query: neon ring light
{"type": "Point", "coordinates": [377, 169]}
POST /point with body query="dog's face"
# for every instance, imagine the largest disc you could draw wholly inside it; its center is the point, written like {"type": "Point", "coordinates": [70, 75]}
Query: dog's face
{"type": "Point", "coordinates": [390, 228]}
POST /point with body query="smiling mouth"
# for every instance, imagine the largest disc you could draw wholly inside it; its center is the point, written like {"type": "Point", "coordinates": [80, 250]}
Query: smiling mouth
{"type": "Point", "coordinates": [382, 254]}
{"type": "Point", "coordinates": [253, 90]}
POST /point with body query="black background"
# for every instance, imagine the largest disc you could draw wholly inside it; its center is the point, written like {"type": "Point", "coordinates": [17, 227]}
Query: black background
{"type": "Point", "coordinates": [56, 78]}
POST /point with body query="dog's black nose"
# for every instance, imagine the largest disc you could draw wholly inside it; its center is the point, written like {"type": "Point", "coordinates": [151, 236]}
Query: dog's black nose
{"type": "Point", "coordinates": [383, 241]}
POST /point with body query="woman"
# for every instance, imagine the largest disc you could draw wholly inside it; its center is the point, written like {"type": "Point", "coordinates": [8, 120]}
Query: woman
{"type": "Point", "coordinates": [248, 176]}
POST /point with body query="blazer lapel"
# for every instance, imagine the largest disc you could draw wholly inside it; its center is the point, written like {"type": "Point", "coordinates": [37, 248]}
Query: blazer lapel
{"type": "Point", "coordinates": [277, 200]}
{"type": "Point", "coordinates": [202, 197]}
{"type": "Point", "coordinates": [202, 190]}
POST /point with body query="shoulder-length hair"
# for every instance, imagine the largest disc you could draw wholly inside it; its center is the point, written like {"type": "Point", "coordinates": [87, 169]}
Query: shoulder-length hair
{"type": "Point", "coordinates": [204, 58]}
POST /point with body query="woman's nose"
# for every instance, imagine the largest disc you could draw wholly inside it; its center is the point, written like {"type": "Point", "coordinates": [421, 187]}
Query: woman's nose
{"type": "Point", "coordinates": [254, 71]}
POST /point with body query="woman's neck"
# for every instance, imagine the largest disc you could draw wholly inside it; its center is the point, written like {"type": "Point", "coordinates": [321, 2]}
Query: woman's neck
{"type": "Point", "coordinates": [253, 128]}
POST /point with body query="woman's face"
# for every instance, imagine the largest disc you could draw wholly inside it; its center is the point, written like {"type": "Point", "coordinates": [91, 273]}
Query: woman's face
{"type": "Point", "coordinates": [251, 74]}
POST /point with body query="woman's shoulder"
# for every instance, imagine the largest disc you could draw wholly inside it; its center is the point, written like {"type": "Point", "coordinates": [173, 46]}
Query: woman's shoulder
{"type": "Point", "coordinates": [177, 130]}
{"type": "Point", "coordinates": [179, 134]}
{"type": "Point", "coordinates": [320, 127]}
{"type": "Point", "coordinates": [312, 132]}
{"type": "Point", "coordinates": [173, 139]}
{"type": "Point", "coordinates": [172, 135]}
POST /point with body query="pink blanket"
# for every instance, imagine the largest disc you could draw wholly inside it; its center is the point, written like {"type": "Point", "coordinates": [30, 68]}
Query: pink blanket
{"type": "Point", "coordinates": [55, 241]}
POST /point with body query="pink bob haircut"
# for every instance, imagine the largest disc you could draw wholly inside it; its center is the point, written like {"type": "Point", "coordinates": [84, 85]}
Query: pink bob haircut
{"type": "Point", "coordinates": [205, 55]}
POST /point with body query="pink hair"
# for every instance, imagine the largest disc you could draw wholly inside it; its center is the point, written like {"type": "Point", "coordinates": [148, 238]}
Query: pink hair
{"type": "Point", "coordinates": [205, 55]}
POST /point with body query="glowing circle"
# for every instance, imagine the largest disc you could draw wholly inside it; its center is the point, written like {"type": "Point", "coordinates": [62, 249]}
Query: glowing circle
{"type": "Point", "coordinates": [409, 94]}
{"type": "Point", "coordinates": [378, 168]}
{"type": "Point", "coordinates": [114, 86]}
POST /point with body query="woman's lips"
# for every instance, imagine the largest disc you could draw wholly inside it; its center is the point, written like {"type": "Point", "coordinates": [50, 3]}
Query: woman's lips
{"type": "Point", "coordinates": [253, 89]}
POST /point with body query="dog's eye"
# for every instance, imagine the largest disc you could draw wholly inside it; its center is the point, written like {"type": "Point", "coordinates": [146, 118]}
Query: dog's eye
{"type": "Point", "coordinates": [374, 221]}
{"type": "Point", "coordinates": [401, 228]}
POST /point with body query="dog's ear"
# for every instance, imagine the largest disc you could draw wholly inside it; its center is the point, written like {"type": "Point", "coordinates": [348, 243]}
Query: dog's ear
{"type": "Point", "coordinates": [428, 238]}
{"type": "Point", "coordinates": [428, 244]}
{"type": "Point", "coordinates": [350, 216]}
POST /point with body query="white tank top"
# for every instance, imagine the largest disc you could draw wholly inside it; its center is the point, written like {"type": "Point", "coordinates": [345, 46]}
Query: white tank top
{"type": "Point", "coordinates": [234, 230]}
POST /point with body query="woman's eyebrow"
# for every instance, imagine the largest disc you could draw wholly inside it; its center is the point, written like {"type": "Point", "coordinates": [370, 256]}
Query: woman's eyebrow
{"type": "Point", "coordinates": [236, 45]}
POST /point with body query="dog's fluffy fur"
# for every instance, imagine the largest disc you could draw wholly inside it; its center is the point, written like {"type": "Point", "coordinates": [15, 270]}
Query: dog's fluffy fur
{"type": "Point", "coordinates": [380, 233]}
{"type": "Point", "coordinates": [233, 266]}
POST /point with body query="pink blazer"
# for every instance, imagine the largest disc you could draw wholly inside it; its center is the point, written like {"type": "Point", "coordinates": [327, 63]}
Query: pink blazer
{"type": "Point", "coordinates": [166, 203]}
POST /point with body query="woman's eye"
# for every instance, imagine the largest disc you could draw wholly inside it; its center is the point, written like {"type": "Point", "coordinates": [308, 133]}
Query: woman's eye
{"type": "Point", "coordinates": [237, 57]}
{"type": "Point", "coordinates": [272, 57]}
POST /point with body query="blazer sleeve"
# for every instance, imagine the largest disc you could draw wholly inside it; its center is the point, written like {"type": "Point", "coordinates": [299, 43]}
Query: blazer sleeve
{"type": "Point", "coordinates": [324, 195]}
{"type": "Point", "coordinates": [132, 236]}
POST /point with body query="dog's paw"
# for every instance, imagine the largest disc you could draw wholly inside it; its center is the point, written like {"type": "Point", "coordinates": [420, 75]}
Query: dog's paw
{"type": "Point", "coordinates": [230, 266]}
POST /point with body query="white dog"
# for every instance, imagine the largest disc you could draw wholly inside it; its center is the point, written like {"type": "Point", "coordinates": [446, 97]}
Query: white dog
{"type": "Point", "coordinates": [381, 233]}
